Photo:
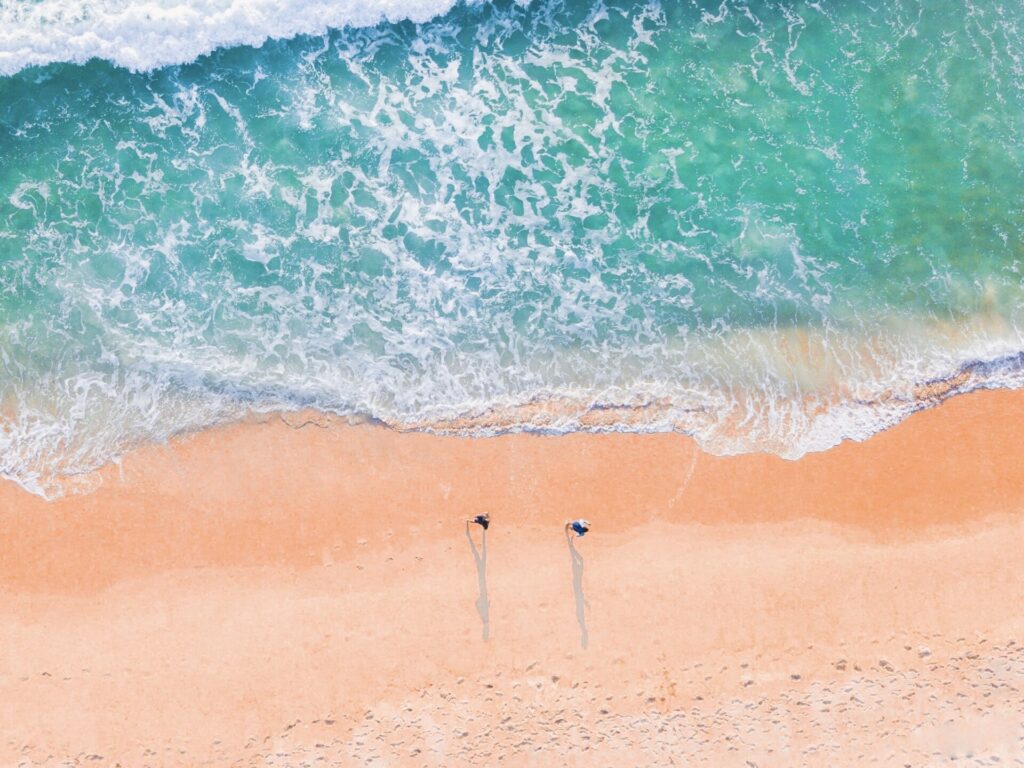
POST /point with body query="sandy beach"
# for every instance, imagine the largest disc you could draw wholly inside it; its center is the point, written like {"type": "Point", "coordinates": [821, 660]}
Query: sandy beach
{"type": "Point", "coordinates": [303, 592]}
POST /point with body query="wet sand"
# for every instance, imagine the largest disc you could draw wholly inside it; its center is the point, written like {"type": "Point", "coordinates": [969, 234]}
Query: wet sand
{"type": "Point", "coordinates": [264, 594]}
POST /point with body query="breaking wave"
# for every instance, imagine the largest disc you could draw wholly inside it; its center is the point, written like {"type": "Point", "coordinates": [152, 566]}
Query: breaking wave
{"type": "Point", "coordinates": [145, 35]}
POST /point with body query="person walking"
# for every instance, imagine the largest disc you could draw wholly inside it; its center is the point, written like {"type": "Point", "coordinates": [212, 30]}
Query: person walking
{"type": "Point", "coordinates": [484, 520]}
{"type": "Point", "coordinates": [579, 527]}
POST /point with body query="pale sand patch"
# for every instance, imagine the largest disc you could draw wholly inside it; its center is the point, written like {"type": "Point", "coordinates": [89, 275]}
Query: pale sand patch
{"type": "Point", "coordinates": [263, 595]}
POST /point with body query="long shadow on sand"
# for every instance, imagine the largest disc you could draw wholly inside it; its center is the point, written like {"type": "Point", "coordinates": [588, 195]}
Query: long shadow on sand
{"type": "Point", "coordinates": [483, 602]}
{"type": "Point", "coordinates": [577, 588]}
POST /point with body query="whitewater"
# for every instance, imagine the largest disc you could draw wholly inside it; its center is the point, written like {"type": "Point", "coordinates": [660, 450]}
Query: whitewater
{"type": "Point", "coordinates": [145, 35]}
{"type": "Point", "coordinates": [773, 226]}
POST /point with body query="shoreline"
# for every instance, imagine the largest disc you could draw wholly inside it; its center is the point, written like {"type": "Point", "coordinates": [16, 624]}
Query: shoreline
{"type": "Point", "coordinates": [223, 597]}
{"type": "Point", "coordinates": [835, 415]}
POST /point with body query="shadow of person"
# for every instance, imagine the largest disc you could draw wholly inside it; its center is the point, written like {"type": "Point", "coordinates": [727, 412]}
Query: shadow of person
{"type": "Point", "coordinates": [577, 588]}
{"type": "Point", "coordinates": [483, 602]}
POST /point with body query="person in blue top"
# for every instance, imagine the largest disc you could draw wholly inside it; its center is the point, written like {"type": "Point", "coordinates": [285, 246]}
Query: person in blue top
{"type": "Point", "coordinates": [579, 527]}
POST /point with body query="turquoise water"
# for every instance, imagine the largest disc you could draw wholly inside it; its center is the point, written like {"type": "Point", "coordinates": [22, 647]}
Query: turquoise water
{"type": "Point", "coordinates": [763, 224]}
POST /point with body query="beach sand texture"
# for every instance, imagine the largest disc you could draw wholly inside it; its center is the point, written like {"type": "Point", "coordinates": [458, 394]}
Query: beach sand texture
{"type": "Point", "coordinates": [264, 594]}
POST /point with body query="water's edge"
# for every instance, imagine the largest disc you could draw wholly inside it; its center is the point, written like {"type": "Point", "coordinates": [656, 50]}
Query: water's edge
{"type": "Point", "coordinates": [553, 417]}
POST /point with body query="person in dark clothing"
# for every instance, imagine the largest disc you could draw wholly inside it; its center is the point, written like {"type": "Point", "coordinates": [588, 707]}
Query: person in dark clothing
{"type": "Point", "coordinates": [484, 521]}
{"type": "Point", "coordinates": [579, 527]}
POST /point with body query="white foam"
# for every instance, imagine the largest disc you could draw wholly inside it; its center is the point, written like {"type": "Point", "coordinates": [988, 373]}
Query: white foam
{"type": "Point", "coordinates": [146, 34]}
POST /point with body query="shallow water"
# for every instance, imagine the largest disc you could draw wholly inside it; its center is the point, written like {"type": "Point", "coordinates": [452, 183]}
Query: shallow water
{"type": "Point", "coordinates": [763, 224]}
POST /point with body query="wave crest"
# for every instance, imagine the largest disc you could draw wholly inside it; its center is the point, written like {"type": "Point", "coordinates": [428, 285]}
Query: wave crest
{"type": "Point", "coordinates": [147, 34]}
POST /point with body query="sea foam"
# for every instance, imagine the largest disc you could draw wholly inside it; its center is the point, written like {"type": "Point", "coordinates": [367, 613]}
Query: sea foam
{"type": "Point", "coordinates": [146, 34]}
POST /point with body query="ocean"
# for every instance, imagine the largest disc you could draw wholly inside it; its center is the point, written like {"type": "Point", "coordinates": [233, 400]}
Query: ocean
{"type": "Point", "coordinates": [773, 226]}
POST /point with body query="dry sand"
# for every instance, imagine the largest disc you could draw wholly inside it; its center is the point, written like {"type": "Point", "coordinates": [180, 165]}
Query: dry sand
{"type": "Point", "coordinates": [269, 595]}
